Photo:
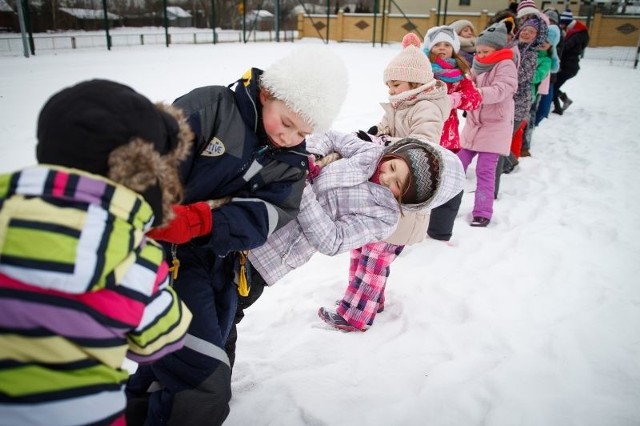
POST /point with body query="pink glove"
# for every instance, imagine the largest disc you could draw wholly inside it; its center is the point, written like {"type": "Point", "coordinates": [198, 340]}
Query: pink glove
{"type": "Point", "coordinates": [456, 99]}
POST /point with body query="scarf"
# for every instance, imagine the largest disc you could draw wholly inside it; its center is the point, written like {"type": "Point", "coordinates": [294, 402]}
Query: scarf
{"type": "Point", "coordinates": [446, 70]}
{"type": "Point", "coordinates": [487, 63]}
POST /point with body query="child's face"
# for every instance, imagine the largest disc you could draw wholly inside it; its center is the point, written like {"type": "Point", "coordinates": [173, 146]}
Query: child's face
{"type": "Point", "coordinates": [466, 32]}
{"type": "Point", "coordinates": [394, 174]}
{"type": "Point", "coordinates": [284, 127]}
{"type": "Point", "coordinates": [442, 49]}
{"type": "Point", "coordinates": [396, 87]}
{"type": "Point", "coordinates": [545, 46]}
{"type": "Point", "coordinates": [483, 50]}
{"type": "Point", "coordinates": [527, 34]}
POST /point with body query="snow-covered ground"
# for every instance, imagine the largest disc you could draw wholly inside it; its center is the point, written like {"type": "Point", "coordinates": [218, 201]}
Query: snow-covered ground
{"type": "Point", "coordinates": [533, 321]}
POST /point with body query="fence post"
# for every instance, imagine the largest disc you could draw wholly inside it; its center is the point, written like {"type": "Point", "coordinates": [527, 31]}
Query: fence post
{"type": "Point", "coordinates": [73, 42]}
{"type": "Point", "coordinates": [141, 39]}
{"type": "Point", "coordinates": [635, 63]}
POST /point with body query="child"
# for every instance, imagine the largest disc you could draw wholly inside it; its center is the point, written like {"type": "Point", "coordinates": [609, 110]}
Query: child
{"type": "Point", "coordinates": [249, 146]}
{"type": "Point", "coordinates": [357, 199]}
{"type": "Point", "coordinates": [575, 41]}
{"type": "Point", "coordinates": [547, 63]}
{"type": "Point", "coordinates": [546, 100]}
{"type": "Point", "coordinates": [531, 33]}
{"type": "Point", "coordinates": [467, 35]}
{"type": "Point", "coordinates": [81, 287]}
{"type": "Point", "coordinates": [487, 131]}
{"type": "Point", "coordinates": [441, 45]}
{"type": "Point", "coordinates": [418, 103]}
{"type": "Point", "coordinates": [349, 203]}
{"type": "Point", "coordinates": [417, 112]}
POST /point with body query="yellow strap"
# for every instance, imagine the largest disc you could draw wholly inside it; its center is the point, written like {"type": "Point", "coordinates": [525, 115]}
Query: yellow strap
{"type": "Point", "coordinates": [175, 265]}
{"type": "Point", "coordinates": [243, 286]}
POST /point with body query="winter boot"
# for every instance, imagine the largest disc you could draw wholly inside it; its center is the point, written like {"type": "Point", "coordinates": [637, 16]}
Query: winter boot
{"type": "Point", "coordinates": [480, 222]}
{"type": "Point", "coordinates": [335, 320]}
{"type": "Point", "coordinates": [566, 101]}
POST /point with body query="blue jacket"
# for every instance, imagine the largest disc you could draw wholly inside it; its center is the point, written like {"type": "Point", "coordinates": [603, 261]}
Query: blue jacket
{"type": "Point", "coordinates": [232, 157]}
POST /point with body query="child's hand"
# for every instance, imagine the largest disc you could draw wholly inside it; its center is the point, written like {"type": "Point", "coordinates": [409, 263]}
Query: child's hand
{"type": "Point", "coordinates": [456, 99]}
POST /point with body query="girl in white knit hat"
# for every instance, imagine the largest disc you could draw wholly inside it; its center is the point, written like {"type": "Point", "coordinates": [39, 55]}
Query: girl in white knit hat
{"type": "Point", "coordinates": [418, 106]}
{"type": "Point", "coordinates": [467, 35]}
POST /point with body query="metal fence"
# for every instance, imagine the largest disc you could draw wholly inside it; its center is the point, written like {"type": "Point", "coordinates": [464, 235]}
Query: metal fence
{"type": "Point", "coordinates": [11, 44]}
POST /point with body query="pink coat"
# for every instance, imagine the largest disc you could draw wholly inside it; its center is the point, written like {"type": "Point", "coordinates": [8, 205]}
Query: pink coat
{"type": "Point", "coordinates": [490, 128]}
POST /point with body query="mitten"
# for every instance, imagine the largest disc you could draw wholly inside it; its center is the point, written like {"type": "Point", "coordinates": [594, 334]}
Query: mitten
{"type": "Point", "coordinates": [363, 135]}
{"type": "Point", "coordinates": [191, 221]}
{"type": "Point", "coordinates": [456, 99]}
{"type": "Point", "coordinates": [314, 169]}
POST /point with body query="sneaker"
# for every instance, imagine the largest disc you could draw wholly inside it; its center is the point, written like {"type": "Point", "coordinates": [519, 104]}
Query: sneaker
{"type": "Point", "coordinates": [566, 103]}
{"type": "Point", "coordinates": [335, 320]}
{"type": "Point", "coordinates": [480, 222]}
{"type": "Point", "coordinates": [380, 306]}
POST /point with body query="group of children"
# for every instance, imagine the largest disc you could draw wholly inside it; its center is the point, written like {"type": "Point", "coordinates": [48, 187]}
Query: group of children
{"type": "Point", "coordinates": [238, 186]}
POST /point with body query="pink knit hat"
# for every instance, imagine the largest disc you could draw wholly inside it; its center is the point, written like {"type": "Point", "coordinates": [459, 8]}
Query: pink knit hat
{"type": "Point", "coordinates": [527, 7]}
{"type": "Point", "coordinates": [410, 65]}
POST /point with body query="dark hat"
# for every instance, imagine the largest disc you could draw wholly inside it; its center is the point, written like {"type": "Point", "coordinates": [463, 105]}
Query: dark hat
{"type": "Point", "coordinates": [108, 129]}
{"type": "Point", "coordinates": [566, 17]}
{"type": "Point", "coordinates": [424, 169]}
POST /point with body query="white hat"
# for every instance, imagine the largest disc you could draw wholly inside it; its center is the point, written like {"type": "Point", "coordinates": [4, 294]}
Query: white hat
{"type": "Point", "coordinates": [461, 24]}
{"type": "Point", "coordinates": [444, 33]}
{"type": "Point", "coordinates": [312, 81]}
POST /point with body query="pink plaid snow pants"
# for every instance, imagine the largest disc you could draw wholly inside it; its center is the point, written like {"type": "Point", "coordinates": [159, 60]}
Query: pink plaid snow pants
{"type": "Point", "coordinates": [368, 272]}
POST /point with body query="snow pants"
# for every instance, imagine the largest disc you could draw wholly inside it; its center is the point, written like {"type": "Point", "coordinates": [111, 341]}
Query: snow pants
{"type": "Point", "coordinates": [368, 272]}
{"type": "Point", "coordinates": [191, 386]}
{"type": "Point", "coordinates": [485, 177]}
{"type": "Point", "coordinates": [442, 219]}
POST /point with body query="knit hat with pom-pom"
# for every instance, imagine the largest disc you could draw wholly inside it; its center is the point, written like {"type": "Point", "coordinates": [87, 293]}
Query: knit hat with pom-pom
{"type": "Point", "coordinates": [410, 65]}
{"type": "Point", "coordinates": [444, 33]}
{"type": "Point", "coordinates": [527, 7]}
{"type": "Point", "coordinates": [312, 81]}
{"type": "Point", "coordinates": [566, 17]}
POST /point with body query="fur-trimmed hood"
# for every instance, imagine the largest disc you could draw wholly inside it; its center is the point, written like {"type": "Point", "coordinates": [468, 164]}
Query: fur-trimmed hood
{"type": "Point", "coordinates": [108, 129]}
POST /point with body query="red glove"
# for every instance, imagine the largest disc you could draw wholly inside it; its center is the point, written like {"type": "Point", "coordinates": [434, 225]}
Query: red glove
{"type": "Point", "coordinates": [314, 169]}
{"type": "Point", "coordinates": [191, 221]}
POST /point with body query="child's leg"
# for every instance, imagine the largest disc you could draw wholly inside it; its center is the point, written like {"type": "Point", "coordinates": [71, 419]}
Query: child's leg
{"type": "Point", "coordinates": [465, 157]}
{"type": "Point", "coordinates": [366, 291]}
{"type": "Point", "coordinates": [486, 178]}
{"type": "Point", "coordinates": [544, 106]}
{"type": "Point", "coordinates": [443, 217]}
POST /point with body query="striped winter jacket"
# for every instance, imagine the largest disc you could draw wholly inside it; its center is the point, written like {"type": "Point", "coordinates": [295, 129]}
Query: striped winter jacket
{"type": "Point", "coordinates": [81, 287]}
{"type": "Point", "coordinates": [340, 211]}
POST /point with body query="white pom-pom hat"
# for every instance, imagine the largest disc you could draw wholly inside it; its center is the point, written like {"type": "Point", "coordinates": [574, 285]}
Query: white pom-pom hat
{"type": "Point", "coordinates": [312, 81]}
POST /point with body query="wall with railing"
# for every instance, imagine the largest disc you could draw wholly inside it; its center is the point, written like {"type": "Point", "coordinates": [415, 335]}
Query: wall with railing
{"type": "Point", "coordinates": [12, 43]}
{"type": "Point", "coordinates": [604, 30]}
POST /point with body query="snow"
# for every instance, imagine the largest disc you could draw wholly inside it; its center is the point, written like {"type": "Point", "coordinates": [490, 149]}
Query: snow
{"type": "Point", "coordinates": [532, 321]}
